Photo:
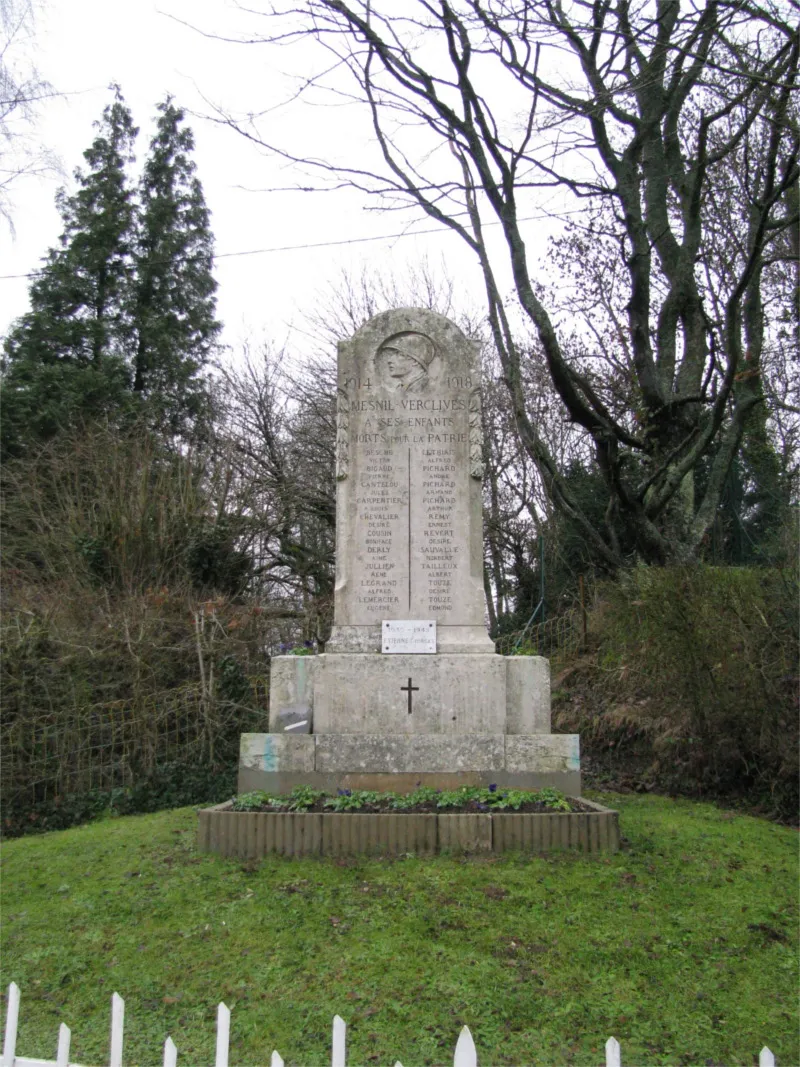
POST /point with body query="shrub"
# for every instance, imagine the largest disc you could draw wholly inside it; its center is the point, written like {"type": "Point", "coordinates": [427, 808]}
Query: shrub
{"type": "Point", "coordinates": [169, 785]}
{"type": "Point", "coordinates": [697, 667]}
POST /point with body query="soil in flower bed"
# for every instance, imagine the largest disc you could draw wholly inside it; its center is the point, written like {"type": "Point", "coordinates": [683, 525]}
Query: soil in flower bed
{"type": "Point", "coordinates": [424, 801]}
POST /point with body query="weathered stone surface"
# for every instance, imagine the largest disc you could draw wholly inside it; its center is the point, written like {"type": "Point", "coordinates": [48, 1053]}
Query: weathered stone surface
{"type": "Point", "coordinates": [441, 694]}
{"type": "Point", "coordinates": [528, 695]}
{"type": "Point", "coordinates": [568, 782]}
{"type": "Point", "coordinates": [454, 693]}
{"type": "Point", "coordinates": [277, 753]}
{"type": "Point", "coordinates": [409, 546]}
{"type": "Point", "coordinates": [542, 752]}
{"type": "Point", "coordinates": [291, 683]}
{"type": "Point", "coordinates": [409, 753]}
{"type": "Point", "coordinates": [409, 524]}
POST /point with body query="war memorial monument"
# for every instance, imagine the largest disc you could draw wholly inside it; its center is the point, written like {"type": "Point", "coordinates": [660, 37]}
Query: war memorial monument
{"type": "Point", "coordinates": [409, 690]}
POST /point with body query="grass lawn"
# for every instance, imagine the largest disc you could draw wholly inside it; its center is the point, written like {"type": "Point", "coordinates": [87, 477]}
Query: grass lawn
{"type": "Point", "coordinates": [683, 946]}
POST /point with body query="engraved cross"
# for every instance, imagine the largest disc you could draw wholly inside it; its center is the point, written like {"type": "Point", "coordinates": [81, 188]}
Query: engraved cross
{"type": "Point", "coordinates": [409, 689]}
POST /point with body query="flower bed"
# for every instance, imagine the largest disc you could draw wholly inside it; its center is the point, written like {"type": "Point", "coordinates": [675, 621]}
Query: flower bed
{"type": "Point", "coordinates": [467, 800]}
{"type": "Point", "coordinates": [308, 822]}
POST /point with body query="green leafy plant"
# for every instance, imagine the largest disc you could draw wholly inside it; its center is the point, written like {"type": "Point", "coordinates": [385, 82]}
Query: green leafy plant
{"type": "Point", "coordinates": [251, 801]}
{"type": "Point", "coordinates": [513, 799]}
{"type": "Point", "coordinates": [422, 795]}
{"type": "Point", "coordinates": [304, 797]}
{"type": "Point", "coordinates": [527, 648]}
{"type": "Point", "coordinates": [168, 785]}
{"type": "Point", "coordinates": [491, 798]}
{"type": "Point", "coordinates": [553, 798]}
{"type": "Point", "coordinates": [352, 799]}
{"type": "Point", "coordinates": [454, 798]}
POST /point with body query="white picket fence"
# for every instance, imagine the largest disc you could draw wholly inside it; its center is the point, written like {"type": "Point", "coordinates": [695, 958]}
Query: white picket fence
{"type": "Point", "coordinates": [465, 1054]}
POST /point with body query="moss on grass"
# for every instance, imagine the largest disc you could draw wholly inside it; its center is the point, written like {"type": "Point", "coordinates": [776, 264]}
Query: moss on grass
{"type": "Point", "coordinates": [682, 946]}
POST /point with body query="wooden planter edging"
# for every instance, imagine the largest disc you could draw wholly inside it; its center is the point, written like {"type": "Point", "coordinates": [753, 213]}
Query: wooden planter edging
{"type": "Point", "coordinates": [250, 835]}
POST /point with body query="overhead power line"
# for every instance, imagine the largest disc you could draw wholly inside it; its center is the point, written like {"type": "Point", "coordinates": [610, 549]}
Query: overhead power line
{"type": "Point", "coordinates": [329, 244]}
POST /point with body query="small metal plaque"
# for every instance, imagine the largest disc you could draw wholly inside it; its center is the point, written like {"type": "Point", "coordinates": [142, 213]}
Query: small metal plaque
{"type": "Point", "coordinates": [295, 719]}
{"type": "Point", "coordinates": [408, 636]}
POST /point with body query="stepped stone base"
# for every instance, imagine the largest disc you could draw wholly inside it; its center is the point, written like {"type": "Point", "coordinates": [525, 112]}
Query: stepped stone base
{"type": "Point", "coordinates": [393, 722]}
{"type": "Point", "coordinates": [277, 763]}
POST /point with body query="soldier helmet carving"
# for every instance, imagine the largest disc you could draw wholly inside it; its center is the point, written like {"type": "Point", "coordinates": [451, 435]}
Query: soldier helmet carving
{"type": "Point", "coordinates": [414, 345]}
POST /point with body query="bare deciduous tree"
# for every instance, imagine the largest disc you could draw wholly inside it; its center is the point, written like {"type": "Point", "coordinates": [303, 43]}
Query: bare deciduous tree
{"type": "Point", "coordinates": [278, 425]}
{"type": "Point", "coordinates": [638, 113]}
{"type": "Point", "coordinates": [21, 90]}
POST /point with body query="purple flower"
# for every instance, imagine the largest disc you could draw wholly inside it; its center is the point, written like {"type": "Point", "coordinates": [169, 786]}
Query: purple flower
{"type": "Point", "coordinates": [493, 788]}
{"type": "Point", "coordinates": [344, 792]}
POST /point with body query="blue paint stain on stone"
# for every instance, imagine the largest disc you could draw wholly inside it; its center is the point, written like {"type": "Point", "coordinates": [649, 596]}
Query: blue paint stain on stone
{"type": "Point", "coordinates": [270, 758]}
{"type": "Point", "coordinates": [574, 756]}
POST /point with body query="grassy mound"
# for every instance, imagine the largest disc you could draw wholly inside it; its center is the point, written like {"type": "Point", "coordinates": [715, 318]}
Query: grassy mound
{"type": "Point", "coordinates": [680, 946]}
{"type": "Point", "coordinates": [690, 685]}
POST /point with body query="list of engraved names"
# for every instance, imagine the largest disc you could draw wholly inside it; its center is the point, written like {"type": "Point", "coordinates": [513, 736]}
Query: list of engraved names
{"type": "Point", "coordinates": [408, 505]}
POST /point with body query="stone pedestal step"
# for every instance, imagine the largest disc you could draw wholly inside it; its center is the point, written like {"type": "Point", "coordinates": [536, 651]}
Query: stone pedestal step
{"type": "Point", "coordinates": [446, 693]}
{"type": "Point", "coordinates": [400, 762]}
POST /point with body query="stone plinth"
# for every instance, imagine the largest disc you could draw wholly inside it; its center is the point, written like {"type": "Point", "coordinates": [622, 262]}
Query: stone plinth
{"type": "Point", "coordinates": [441, 694]}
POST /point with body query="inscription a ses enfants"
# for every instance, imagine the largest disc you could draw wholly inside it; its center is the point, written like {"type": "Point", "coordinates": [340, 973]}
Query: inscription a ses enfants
{"type": "Point", "coordinates": [390, 422]}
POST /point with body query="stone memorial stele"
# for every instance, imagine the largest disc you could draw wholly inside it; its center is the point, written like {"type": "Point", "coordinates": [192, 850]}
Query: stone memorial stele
{"type": "Point", "coordinates": [409, 550]}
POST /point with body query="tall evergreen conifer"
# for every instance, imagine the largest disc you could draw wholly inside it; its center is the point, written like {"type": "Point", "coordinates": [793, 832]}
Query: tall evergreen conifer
{"type": "Point", "coordinates": [173, 299]}
{"type": "Point", "coordinates": [122, 311]}
{"type": "Point", "coordinates": [65, 359]}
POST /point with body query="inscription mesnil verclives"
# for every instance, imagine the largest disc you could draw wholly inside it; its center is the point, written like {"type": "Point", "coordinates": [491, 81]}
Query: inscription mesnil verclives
{"type": "Point", "coordinates": [408, 410]}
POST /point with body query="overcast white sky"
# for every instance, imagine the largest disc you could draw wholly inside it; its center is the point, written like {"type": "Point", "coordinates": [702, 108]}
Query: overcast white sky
{"type": "Point", "coordinates": [80, 46]}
